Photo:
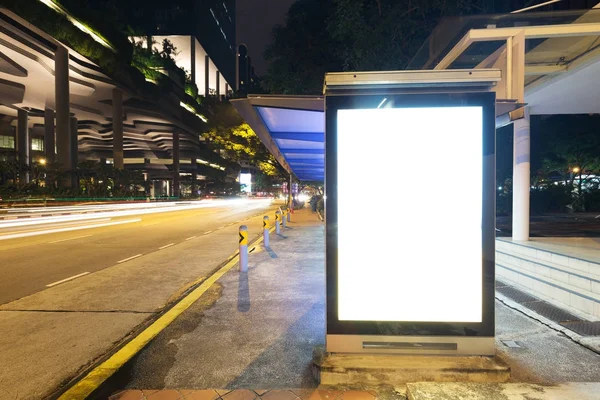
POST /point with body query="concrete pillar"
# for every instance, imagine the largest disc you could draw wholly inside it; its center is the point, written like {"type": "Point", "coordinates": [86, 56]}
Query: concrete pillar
{"type": "Point", "coordinates": [176, 163]}
{"type": "Point", "coordinates": [74, 151]}
{"type": "Point", "coordinates": [63, 125]}
{"type": "Point", "coordinates": [194, 178]}
{"type": "Point", "coordinates": [23, 144]}
{"type": "Point", "coordinates": [521, 178]}
{"type": "Point", "coordinates": [193, 59]}
{"type": "Point", "coordinates": [226, 90]}
{"type": "Point", "coordinates": [117, 100]}
{"type": "Point", "coordinates": [218, 85]}
{"type": "Point", "coordinates": [49, 143]}
{"type": "Point", "coordinates": [206, 75]}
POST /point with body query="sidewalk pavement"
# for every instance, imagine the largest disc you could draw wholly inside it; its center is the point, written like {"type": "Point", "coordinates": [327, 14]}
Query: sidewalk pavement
{"type": "Point", "coordinates": [253, 336]}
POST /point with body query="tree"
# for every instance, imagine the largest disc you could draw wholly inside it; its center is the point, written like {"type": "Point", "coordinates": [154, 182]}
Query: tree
{"type": "Point", "coordinates": [323, 36]}
{"type": "Point", "coordinates": [302, 50]}
{"type": "Point", "coordinates": [236, 140]}
{"type": "Point", "coordinates": [570, 151]}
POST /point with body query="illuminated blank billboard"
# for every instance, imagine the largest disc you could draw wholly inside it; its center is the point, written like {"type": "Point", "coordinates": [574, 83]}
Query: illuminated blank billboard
{"type": "Point", "coordinates": [421, 174]}
{"type": "Point", "coordinates": [410, 213]}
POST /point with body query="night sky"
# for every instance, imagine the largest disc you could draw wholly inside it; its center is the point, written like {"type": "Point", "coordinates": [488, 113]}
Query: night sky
{"type": "Point", "coordinates": [255, 21]}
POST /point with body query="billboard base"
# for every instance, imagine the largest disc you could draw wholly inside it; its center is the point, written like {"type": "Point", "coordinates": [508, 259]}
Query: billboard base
{"type": "Point", "coordinates": [412, 345]}
{"type": "Point", "coordinates": [379, 369]}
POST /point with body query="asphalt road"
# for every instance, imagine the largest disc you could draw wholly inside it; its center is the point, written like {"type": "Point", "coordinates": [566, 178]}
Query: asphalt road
{"type": "Point", "coordinates": [63, 250]}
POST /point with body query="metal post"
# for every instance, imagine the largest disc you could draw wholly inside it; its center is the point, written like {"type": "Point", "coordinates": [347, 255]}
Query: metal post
{"type": "Point", "coordinates": [266, 230]}
{"type": "Point", "coordinates": [289, 214]}
{"type": "Point", "coordinates": [243, 248]}
{"type": "Point", "coordinates": [277, 222]}
{"type": "Point", "coordinates": [283, 218]}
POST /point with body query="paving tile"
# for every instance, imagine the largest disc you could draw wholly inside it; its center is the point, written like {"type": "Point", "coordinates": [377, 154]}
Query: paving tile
{"type": "Point", "coordinates": [260, 392]}
{"type": "Point", "coordinates": [222, 392]}
{"type": "Point", "coordinates": [357, 395]}
{"type": "Point", "coordinates": [207, 394]}
{"type": "Point", "coordinates": [164, 395]}
{"type": "Point", "coordinates": [240, 394]}
{"type": "Point", "coordinates": [279, 395]}
{"type": "Point", "coordinates": [148, 392]}
{"type": "Point", "coordinates": [321, 394]}
{"type": "Point", "coordinates": [128, 395]}
{"type": "Point", "coordinates": [300, 392]}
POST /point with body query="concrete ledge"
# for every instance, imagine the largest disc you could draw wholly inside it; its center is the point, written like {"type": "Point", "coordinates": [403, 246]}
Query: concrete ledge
{"type": "Point", "coordinates": [376, 370]}
{"type": "Point", "coordinates": [488, 391]}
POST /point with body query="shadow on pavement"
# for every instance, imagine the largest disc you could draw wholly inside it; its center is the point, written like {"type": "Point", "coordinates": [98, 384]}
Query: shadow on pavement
{"type": "Point", "coordinates": [243, 293]}
{"type": "Point", "coordinates": [277, 367]}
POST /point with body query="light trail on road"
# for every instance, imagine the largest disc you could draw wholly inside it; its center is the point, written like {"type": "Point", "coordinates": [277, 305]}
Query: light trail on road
{"type": "Point", "coordinates": [145, 209]}
{"type": "Point", "coordinates": [75, 228]}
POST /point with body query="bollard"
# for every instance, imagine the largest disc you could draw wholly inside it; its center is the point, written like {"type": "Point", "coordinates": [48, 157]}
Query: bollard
{"type": "Point", "coordinates": [283, 218]}
{"type": "Point", "coordinates": [266, 230]}
{"type": "Point", "coordinates": [277, 222]}
{"type": "Point", "coordinates": [243, 248]}
{"type": "Point", "coordinates": [289, 215]}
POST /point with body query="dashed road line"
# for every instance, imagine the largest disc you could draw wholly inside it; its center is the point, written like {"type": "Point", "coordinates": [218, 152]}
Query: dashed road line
{"type": "Point", "coordinates": [73, 238]}
{"type": "Point", "coordinates": [190, 238]}
{"type": "Point", "coordinates": [67, 279]}
{"type": "Point", "coordinates": [207, 232]}
{"type": "Point", "coordinates": [129, 258]}
{"type": "Point", "coordinates": [166, 245]}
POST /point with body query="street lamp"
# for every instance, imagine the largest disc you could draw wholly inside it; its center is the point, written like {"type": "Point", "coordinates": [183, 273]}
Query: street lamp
{"type": "Point", "coordinates": [42, 161]}
{"type": "Point", "coordinates": [575, 169]}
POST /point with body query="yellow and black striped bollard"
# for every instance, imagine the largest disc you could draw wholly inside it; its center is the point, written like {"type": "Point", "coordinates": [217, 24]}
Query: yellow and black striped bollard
{"type": "Point", "coordinates": [243, 248]}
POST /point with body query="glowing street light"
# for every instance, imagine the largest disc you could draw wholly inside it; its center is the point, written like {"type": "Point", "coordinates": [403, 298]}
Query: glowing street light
{"type": "Point", "coordinates": [42, 161]}
{"type": "Point", "coordinates": [576, 169]}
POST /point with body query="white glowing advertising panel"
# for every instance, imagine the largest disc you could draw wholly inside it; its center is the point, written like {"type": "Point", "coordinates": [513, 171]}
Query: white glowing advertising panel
{"type": "Point", "coordinates": [246, 182]}
{"type": "Point", "coordinates": [414, 254]}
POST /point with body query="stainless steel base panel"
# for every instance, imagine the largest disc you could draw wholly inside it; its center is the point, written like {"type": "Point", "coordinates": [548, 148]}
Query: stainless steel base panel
{"type": "Point", "coordinates": [415, 345]}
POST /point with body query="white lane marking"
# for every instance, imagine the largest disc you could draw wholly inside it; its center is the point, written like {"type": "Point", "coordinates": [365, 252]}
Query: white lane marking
{"type": "Point", "coordinates": [130, 258]}
{"type": "Point", "coordinates": [73, 238]}
{"type": "Point", "coordinates": [20, 235]}
{"type": "Point", "coordinates": [166, 245]}
{"type": "Point", "coordinates": [154, 223]}
{"type": "Point", "coordinates": [207, 232]}
{"type": "Point", "coordinates": [67, 279]}
{"type": "Point", "coordinates": [190, 238]}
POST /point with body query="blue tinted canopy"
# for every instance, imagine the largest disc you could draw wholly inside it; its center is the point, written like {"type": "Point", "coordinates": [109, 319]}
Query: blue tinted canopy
{"type": "Point", "coordinates": [292, 128]}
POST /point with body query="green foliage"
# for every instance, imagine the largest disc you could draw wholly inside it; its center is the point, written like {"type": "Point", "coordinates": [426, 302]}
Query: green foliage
{"type": "Point", "coordinates": [229, 133]}
{"type": "Point", "coordinates": [322, 36]}
{"type": "Point", "coordinates": [302, 51]}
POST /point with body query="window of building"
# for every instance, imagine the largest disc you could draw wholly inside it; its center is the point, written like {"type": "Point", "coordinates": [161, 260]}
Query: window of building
{"type": "Point", "coordinates": [37, 144]}
{"type": "Point", "coordinates": [7, 142]}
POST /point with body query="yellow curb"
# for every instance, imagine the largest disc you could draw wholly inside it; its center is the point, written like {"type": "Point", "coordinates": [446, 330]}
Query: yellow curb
{"type": "Point", "coordinates": [86, 386]}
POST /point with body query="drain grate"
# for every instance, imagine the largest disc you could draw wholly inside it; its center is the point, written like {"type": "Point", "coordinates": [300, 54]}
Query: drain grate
{"type": "Point", "coordinates": [516, 294]}
{"type": "Point", "coordinates": [552, 313]}
{"type": "Point", "coordinates": [584, 328]}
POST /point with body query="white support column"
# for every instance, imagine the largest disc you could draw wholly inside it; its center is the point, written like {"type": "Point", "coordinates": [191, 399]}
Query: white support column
{"type": "Point", "coordinates": [521, 178]}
